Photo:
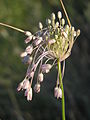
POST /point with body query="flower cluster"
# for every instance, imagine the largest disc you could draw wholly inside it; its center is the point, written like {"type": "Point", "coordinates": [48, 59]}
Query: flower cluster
{"type": "Point", "coordinates": [43, 49]}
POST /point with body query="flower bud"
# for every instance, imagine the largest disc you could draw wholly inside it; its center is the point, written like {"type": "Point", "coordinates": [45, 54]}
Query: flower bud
{"type": "Point", "coordinates": [74, 33]}
{"type": "Point", "coordinates": [28, 39]}
{"type": "Point", "coordinates": [23, 54]}
{"type": "Point", "coordinates": [67, 27]}
{"type": "Point", "coordinates": [48, 21]}
{"type": "Point", "coordinates": [78, 32]}
{"type": "Point", "coordinates": [57, 24]}
{"type": "Point", "coordinates": [38, 41]}
{"type": "Point", "coordinates": [20, 86]}
{"type": "Point", "coordinates": [28, 93]}
{"type": "Point", "coordinates": [52, 41]}
{"type": "Point", "coordinates": [29, 49]}
{"type": "Point", "coordinates": [40, 77]}
{"type": "Point", "coordinates": [58, 92]}
{"type": "Point", "coordinates": [59, 15]}
{"type": "Point", "coordinates": [40, 25]}
{"type": "Point", "coordinates": [55, 91]}
{"type": "Point", "coordinates": [32, 74]}
{"type": "Point", "coordinates": [28, 33]}
{"type": "Point", "coordinates": [46, 68]}
{"type": "Point", "coordinates": [63, 21]}
{"type": "Point", "coordinates": [25, 84]}
{"type": "Point", "coordinates": [34, 37]}
{"type": "Point", "coordinates": [53, 16]}
{"type": "Point", "coordinates": [37, 88]}
{"type": "Point", "coordinates": [73, 29]}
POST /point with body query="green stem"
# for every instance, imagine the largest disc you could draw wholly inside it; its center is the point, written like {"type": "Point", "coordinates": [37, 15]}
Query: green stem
{"type": "Point", "coordinates": [61, 83]}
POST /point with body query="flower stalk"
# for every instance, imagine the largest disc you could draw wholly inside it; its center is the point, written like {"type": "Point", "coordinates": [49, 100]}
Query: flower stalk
{"type": "Point", "coordinates": [12, 27]}
{"type": "Point", "coordinates": [69, 23]}
{"type": "Point", "coordinates": [61, 85]}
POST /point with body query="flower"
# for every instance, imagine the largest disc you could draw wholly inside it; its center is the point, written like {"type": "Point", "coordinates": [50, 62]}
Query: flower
{"type": "Point", "coordinates": [57, 92]}
{"type": "Point", "coordinates": [28, 93]}
{"type": "Point", "coordinates": [44, 49]}
{"type": "Point", "coordinates": [46, 68]}
{"type": "Point", "coordinates": [37, 88]}
{"type": "Point", "coordinates": [40, 77]}
{"type": "Point", "coordinates": [24, 84]}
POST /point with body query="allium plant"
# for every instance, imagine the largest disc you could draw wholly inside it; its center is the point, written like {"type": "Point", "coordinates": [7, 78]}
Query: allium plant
{"type": "Point", "coordinates": [48, 47]}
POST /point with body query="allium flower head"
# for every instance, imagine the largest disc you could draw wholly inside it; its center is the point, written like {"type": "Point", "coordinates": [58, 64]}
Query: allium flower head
{"type": "Point", "coordinates": [44, 48]}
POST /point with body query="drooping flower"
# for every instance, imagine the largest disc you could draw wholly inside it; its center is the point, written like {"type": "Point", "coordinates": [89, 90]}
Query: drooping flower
{"type": "Point", "coordinates": [28, 93]}
{"type": "Point", "coordinates": [37, 88]}
{"type": "Point", "coordinates": [45, 47]}
{"type": "Point", "coordinates": [40, 77]}
{"type": "Point", "coordinates": [57, 92]}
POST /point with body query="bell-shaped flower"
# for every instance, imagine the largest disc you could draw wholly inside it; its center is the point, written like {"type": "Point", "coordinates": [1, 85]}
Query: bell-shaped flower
{"type": "Point", "coordinates": [28, 93]}
{"type": "Point", "coordinates": [29, 49]}
{"type": "Point", "coordinates": [40, 77]}
{"type": "Point", "coordinates": [37, 88]}
{"type": "Point", "coordinates": [57, 92]}
{"type": "Point", "coordinates": [46, 68]}
{"type": "Point", "coordinates": [28, 39]}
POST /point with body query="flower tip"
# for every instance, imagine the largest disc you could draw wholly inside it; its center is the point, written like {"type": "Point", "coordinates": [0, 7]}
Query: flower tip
{"type": "Point", "coordinates": [29, 49]}
{"type": "Point", "coordinates": [28, 93]}
{"type": "Point", "coordinates": [27, 33]}
{"type": "Point", "coordinates": [48, 21]}
{"type": "Point", "coordinates": [46, 68]}
{"type": "Point", "coordinates": [40, 77]}
{"type": "Point", "coordinates": [23, 54]}
{"type": "Point", "coordinates": [59, 15]}
{"type": "Point", "coordinates": [63, 21]}
{"type": "Point", "coordinates": [37, 88]}
{"type": "Point", "coordinates": [57, 92]}
{"type": "Point", "coordinates": [40, 25]}
{"type": "Point", "coordinates": [18, 88]}
{"type": "Point", "coordinates": [53, 16]}
{"type": "Point", "coordinates": [28, 39]}
{"type": "Point", "coordinates": [78, 32]}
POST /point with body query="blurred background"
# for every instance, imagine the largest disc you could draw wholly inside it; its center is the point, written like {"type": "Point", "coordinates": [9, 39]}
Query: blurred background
{"type": "Point", "coordinates": [26, 14]}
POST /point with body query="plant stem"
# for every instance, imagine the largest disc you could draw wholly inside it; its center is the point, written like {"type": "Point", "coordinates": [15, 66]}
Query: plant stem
{"type": "Point", "coordinates": [65, 12]}
{"type": "Point", "coordinates": [61, 83]}
{"type": "Point", "coordinates": [12, 27]}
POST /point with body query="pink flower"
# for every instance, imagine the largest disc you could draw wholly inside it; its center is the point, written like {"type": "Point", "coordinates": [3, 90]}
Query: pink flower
{"type": "Point", "coordinates": [37, 88]}
{"type": "Point", "coordinates": [28, 93]}
{"type": "Point", "coordinates": [20, 86]}
{"type": "Point", "coordinates": [58, 92]}
{"type": "Point", "coordinates": [28, 39]}
{"type": "Point", "coordinates": [46, 68]}
{"type": "Point", "coordinates": [29, 49]}
{"type": "Point", "coordinates": [38, 41]}
{"type": "Point", "coordinates": [26, 84]}
{"type": "Point", "coordinates": [40, 77]}
{"type": "Point", "coordinates": [48, 47]}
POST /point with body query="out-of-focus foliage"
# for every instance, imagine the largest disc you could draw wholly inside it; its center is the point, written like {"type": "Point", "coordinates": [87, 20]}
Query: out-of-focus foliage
{"type": "Point", "coordinates": [26, 14]}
